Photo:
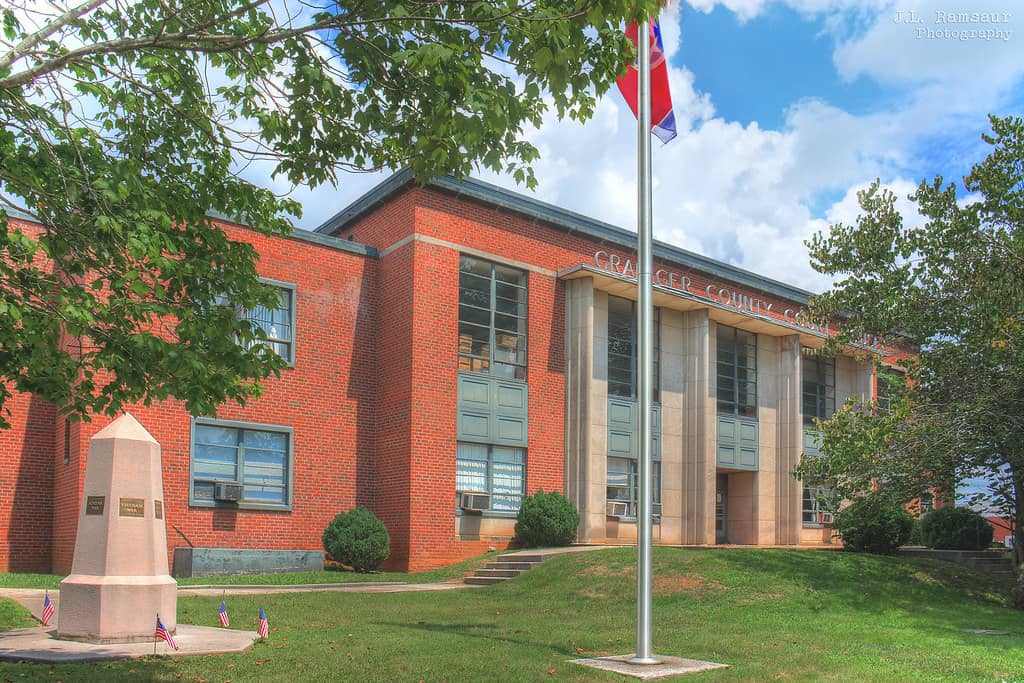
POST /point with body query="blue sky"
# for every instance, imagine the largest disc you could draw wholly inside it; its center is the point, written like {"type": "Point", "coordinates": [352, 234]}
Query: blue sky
{"type": "Point", "coordinates": [744, 63]}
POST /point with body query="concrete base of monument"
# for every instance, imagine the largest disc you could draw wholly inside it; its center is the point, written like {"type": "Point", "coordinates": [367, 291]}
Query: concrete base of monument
{"type": "Point", "coordinates": [666, 666]}
{"type": "Point", "coordinates": [116, 609]}
{"type": "Point", "coordinates": [40, 644]}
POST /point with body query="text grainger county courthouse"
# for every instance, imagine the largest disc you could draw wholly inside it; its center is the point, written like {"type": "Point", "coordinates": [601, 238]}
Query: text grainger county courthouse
{"type": "Point", "coordinates": [452, 348]}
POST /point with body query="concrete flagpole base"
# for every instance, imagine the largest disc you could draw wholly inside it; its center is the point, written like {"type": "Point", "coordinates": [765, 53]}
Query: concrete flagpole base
{"type": "Point", "coordinates": [662, 666]}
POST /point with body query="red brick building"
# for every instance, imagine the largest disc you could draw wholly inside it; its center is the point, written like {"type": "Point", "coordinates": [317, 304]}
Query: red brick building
{"type": "Point", "coordinates": [452, 348]}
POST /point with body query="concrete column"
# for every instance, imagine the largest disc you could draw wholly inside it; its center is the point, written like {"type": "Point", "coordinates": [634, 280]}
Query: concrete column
{"type": "Point", "coordinates": [789, 443]}
{"type": "Point", "coordinates": [597, 458]}
{"type": "Point", "coordinates": [672, 408]}
{"type": "Point", "coordinates": [765, 484]}
{"type": "Point", "coordinates": [119, 581]}
{"type": "Point", "coordinates": [579, 360]}
{"type": "Point", "coordinates": [853, 379]}
{"type": "Point", "coordinates": [699, 429]}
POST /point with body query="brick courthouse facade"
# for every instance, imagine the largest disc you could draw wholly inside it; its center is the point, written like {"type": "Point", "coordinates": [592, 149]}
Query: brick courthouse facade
{"type": "Point", "coordinates": [463, 338]}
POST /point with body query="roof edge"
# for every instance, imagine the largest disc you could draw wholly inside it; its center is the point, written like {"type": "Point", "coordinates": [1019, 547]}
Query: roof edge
{"type": "Point", "coordinates": [559, 217]}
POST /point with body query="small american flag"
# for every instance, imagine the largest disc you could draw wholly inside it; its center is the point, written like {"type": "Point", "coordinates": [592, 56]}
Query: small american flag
{"type": "Point", "coordinates": [47, 609]}
{"type": "Point", "coordinates": [222, 614]}
{"type": "Point", "coordinates": [162, 633]}
{"type": "Point", "coordinates": [263, 631]}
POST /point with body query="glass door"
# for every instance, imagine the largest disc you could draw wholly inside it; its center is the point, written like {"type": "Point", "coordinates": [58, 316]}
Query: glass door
{"type": "Point", "coordinates": [721, 508]}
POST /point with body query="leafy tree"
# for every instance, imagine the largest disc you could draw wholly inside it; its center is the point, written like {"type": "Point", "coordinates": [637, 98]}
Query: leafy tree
{"type": "Point", "coordinates": [126, 125]}
{"type": "Point", "coordinates": [954, 288]}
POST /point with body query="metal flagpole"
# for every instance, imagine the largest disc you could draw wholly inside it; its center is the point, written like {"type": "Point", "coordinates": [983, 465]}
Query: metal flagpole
{"type": "Point", "coordinates": [645, 315]}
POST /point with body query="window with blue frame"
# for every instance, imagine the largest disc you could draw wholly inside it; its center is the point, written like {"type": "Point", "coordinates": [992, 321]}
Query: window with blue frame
{"type": "Point", "coordinates": [258, 457]}
{"type": "Point", "coordinates": [492, 318]}
{"type": "Point", "coordinates": [275, 327]}
{"type": "Point", "coordinates": [622, 485]}
{"type": "Point", "coordinates": [496, 470]}
{"type": "Point", "coordinates": [737, 372]}
{"type": "Point", "coordinates": [622, 345]}
{"type": "Point", "coordinates": [818, 388]}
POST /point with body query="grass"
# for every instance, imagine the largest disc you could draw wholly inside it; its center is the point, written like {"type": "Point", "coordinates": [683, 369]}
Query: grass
{"type": "Point", "coordinates": [771, 614]}
{"type": "Point", "coordinates": [333, 575]}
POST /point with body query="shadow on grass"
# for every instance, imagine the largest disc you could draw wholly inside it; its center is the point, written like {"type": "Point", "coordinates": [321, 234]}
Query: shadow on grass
{"type": "Point", "coordinates": [492, 633]}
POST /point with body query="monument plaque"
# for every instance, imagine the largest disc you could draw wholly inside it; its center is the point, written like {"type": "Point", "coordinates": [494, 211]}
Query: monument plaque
{"type": "Point", "coordinates": [94, 505]}
{"type": "Point", "coordinates": [132, 507]}
{"type": "Point", "coordinates": [158, 509]}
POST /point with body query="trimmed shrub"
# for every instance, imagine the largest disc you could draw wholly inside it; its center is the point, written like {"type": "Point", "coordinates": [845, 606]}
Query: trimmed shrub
{"type": "Point", "coordinates": [547, 519]}
{"type": "Point", "coordinates": [358, 539]}
{"type": "Point", "coordinates": [873, 524]}
{"type": "Point", "coordinates": [953, 528]}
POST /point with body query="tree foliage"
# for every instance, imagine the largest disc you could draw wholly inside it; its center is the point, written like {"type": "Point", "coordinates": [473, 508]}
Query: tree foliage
{"type": "Point", "coordinates": [954, 287]}
{"type": "Point", "coordinates": [126, 125]}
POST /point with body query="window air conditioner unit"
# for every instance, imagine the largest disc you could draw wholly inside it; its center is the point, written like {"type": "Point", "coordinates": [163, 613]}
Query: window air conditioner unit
{"type": "Point", "coordinates": [474, 501]}
{"type": "Point", "coordinates": [825, 518]}
{"type": "Point", "coordinates": [616, 509]}
{"type": "Point", "coordinates": [231, 492]}
{"type": "Point", "coordinates": [656, 509]}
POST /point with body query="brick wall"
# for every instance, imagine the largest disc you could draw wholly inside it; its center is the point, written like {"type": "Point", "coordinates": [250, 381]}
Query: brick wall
{"type": "Point", "coordinates": [328, 398]}
{"type": "Point", "coordinates": [26, 485]}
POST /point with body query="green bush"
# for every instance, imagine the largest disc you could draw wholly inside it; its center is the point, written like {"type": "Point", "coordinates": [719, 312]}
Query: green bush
{"type": "Point", "coordinates": [953, 528]}
{"type": "Point", "coordinates": [547, 519]}
{"type": "Point", "coordinates": [915, 534]}
{"type": "Point", "coordinates": [358, 539]}
{"type": "Point", "coordinates": [873, 524]}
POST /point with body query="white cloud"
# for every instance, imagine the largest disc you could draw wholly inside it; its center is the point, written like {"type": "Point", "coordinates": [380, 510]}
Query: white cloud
{"type": "Point", "coordinates": [978, 46]}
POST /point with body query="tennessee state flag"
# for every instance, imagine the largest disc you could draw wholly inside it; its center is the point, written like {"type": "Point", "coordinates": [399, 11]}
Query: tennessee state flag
{"type": "Point", "coordinates": [663, 121]}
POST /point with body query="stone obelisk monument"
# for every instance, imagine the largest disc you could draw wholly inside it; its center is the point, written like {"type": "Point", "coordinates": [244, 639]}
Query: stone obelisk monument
{"type": "Point", "coordinates": [119, 580]}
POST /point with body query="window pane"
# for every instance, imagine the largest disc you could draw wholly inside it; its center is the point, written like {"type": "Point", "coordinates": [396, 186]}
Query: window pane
{"type": "Point", "coordinates": [265, 494]}
{"type": "Point", "coordinates": [468, 264]}
{"type": "Point", "coordinates": [474, 290]}
{"type": "Point", "coordinates": [510, 275]}
{"type": "Point", "coordinates": [510, 292]}
{"type": "Point", "coordinates": [510, 306]}
{"type": "Point", "coordinates": [216, 435]}
{"type": "Point", "coordinates": [472, 314]}
{"type": "Point", "coordinates": [215, 462]}
{"type": "Point", "coordinates": [474, 340]}
{"type": "Point", "coordinates": [509, 323]}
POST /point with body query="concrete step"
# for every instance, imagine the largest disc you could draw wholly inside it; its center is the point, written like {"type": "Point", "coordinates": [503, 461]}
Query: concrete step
{"type": "Point", "coordinates": [505, 573]}
{"type": "Point", "coordinates": [521, 558]}
{"type": "Point", "coordinates": [484, 580]}
{"type": "Point", "coordinates": [522, 566]}
{"type": "Point", "coordinates": [503, 568]}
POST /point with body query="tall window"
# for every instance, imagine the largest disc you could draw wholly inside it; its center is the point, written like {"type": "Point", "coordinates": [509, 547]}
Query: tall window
{"type": "Point", "coordinates": [256, 456]}
{"type": "Point", "coordinates": [737, 372]}
{"type": "Point", "coordinates": [497, 470]}
{"type": "Point", "coordinates": [891, 384]}
{"type": "Point", "coordinates": [818, 388]}
{"type": "Point", "coordinates": [622, 358]}
{"type": "Point", "coordinates": [276, 326]}
{"type": "Point", "coordinates": [623, 484]}
{"type": "Point", "coordinates": [492, 318]}
{"type": "Point", "coordinates": [814, 514]}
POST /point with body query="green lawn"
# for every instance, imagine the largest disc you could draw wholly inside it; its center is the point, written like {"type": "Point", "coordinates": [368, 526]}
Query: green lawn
{"type": "Point", "coordinates": [771, 614]}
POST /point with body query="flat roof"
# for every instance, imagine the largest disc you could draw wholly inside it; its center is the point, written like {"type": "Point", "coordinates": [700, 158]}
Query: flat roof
{"type": "Point", "coordinates": [563, 219]}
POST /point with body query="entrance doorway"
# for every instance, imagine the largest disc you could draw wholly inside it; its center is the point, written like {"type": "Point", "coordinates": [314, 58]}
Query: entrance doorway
{"type": "Point", "coordinates": [721, 508]}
